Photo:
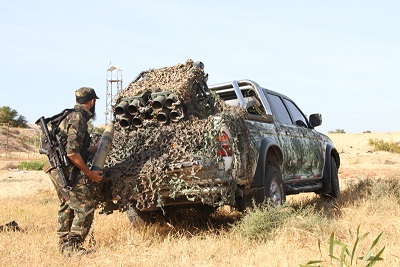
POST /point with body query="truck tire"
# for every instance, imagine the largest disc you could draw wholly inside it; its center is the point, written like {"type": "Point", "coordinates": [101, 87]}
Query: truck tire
{"type": "Point", "coordinates": [335, 188]}
{"type": "Point", "coordinates": [273, 191]}
{"type": "Point", "coordinates": [138, 218]}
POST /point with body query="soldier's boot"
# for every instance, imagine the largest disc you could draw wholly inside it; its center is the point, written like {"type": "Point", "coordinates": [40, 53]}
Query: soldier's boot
{"type": "Point", "coordinates": [71, 247]}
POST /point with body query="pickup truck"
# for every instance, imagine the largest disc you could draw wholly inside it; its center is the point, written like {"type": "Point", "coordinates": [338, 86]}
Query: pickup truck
{"type": "Point", "coordinates": [241, 144]}
{"type": "Point", "coordinates": [291, 157]}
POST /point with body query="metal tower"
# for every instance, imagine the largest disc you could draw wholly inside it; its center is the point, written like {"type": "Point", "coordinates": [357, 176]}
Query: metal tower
{"type": "Point", "coordinates": [114, 87]}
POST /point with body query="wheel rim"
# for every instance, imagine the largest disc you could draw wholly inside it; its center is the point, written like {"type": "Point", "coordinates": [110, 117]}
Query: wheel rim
{"type": "Point", "coordinates": [275, 194]}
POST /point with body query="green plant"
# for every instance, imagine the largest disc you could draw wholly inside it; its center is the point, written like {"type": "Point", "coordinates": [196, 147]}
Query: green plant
{"type": "Point", "coordinates": [346, 256]}
{"type": "Point", "coordinates": [34, 165]}
{"type": "Point", "coordinates": [381, 145]}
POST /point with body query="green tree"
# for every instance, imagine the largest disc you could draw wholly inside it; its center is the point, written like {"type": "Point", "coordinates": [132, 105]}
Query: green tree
{"type": "Point", "coordinates": [11, 116]}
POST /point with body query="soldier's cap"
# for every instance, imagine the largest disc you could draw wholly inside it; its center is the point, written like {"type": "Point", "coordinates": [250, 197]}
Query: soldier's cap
{"type": "Point", "coordinates": [85, 94]}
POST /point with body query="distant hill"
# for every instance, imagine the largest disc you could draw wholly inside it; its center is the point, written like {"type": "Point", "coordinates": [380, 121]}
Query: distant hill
{"type": "Point", "coordinates": [14, 140]}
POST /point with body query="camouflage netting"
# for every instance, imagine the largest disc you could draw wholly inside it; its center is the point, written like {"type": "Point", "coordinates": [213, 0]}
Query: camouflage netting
{"type": "Point", "coordinates": [142, 160]}
{"type": "Point", "coordinates": [178, 79]}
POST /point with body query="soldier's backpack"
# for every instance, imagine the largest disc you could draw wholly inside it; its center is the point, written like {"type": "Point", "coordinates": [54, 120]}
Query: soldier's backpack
{"type": "Point", "coordinates": [56, 120]}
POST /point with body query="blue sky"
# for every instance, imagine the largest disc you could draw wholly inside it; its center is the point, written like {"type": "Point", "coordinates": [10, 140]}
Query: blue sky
{"type": "Point", "coordinates": [338, 58]}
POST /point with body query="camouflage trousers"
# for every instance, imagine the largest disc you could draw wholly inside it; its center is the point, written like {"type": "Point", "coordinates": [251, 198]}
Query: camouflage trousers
{"type": "Point", "coordinates": [76, 212]}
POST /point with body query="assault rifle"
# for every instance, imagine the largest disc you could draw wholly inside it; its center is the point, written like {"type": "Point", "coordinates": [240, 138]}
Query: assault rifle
{"type": "Point", "coordinates": [52, 146]}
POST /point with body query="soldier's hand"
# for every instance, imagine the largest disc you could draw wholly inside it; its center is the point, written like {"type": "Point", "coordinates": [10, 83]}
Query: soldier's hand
{"type": "Point", "coordinates": [95, 176]}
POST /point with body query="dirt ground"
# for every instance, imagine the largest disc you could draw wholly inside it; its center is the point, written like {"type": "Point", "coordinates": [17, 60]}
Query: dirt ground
{"type": "Point", "coordinates": [358, 160]}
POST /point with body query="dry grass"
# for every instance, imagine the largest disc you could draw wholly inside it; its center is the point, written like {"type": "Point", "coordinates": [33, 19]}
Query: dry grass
{"type": "Point", "coordinates": [193, 241]}
{"type": "Point", "coordinates": [205, 242]}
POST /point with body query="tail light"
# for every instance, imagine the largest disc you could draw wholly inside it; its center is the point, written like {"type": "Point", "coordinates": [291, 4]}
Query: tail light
{"type": "Point", "coordinates": [224, 148]}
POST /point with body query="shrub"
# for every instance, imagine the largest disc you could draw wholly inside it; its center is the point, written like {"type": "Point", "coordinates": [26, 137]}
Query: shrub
{"type": "Point", "coordinates": [260, 222]}
{"type": "Point", "coordinates": [309, 218]}
{"type": "Point", "coordinates": [34, 165]}
{"type": "Point", "coordinates": [337, 131]}
{"type": "Point", "coordinates": [381, 145]}
{"type": "Point", "coordinates": [381, 189]}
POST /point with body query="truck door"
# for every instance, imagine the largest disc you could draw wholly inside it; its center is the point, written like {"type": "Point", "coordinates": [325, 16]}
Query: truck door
{"type": "Point", "coordinates": [288, 137]}
{"type": "Point", "coordinates": [312, 148]}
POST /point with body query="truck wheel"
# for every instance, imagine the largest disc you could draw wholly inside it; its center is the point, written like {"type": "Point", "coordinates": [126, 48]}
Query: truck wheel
{"type": "Point", "coordinates": [335, 188]}
{"type": "Point", "coordinates": [274, 191]}
{"type": "Point", "coordinates": [138, 218]}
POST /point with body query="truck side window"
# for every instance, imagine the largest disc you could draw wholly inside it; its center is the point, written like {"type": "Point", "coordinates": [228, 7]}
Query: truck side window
{"type": "Point", "coordinates": [281, 113]}
{"type": "Point", "coordinates": [297, 115]}
{"type": "Point", "coordinates": [255, 107]}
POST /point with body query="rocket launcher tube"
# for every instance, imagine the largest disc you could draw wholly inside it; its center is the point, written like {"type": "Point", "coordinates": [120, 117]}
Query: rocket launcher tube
{"type": "Point", "coordinates": [176, 114]}
{"type": "Point", "coordinates": [121, 108]}
{"type": "Point", "coordinates": [172, 101]}
{"type": "Point", "coordinates": [125, 120]}
{"type": "Point", "coordinates": [103, 149]}
{"type": "Point", "coordinates": [162, 116]}
{"type": "Point", "coordinates": [158, 102]}
{"type": "Point", "coordinates": [137, 121]}
{"type": "Point", "coordinates": [135, 106]}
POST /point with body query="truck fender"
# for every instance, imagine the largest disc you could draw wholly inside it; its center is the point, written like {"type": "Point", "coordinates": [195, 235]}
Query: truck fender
{"type": "Point", "coordinates": [267, 145]}
{"type": "Point", "coordinates": [326, 176]}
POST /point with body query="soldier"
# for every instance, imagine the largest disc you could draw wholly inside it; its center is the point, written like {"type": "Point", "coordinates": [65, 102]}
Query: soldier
{"type": "Point", "coordinates": [77, 206]}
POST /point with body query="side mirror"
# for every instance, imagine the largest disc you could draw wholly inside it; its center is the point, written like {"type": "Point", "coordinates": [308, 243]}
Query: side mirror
{"type": "Point", "coordinates": [315, 120]}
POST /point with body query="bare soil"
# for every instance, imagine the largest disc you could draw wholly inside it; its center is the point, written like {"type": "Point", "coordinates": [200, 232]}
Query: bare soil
{"type": "Point", "coordinates": [360, 160]}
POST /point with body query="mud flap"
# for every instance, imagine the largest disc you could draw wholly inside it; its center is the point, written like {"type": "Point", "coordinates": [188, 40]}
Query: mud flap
{"type": "Point", "coordinates": [326, 177]}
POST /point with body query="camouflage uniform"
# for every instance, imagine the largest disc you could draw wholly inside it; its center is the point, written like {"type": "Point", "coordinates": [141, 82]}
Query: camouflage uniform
{"type": "Point", "coordinates": [76, 212]}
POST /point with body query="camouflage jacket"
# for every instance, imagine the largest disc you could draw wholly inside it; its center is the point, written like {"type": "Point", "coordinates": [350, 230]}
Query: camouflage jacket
{"type": "Point", "coordinates": [74, 129]}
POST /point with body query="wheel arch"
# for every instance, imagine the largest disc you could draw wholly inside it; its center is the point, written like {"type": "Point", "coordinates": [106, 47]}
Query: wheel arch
{"type": "Point", "coordinates": [270, 153]}
{"type": "Point", "coordinates": [331, 152]}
